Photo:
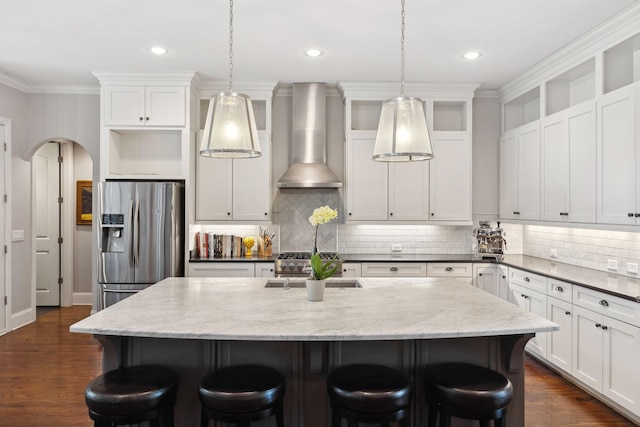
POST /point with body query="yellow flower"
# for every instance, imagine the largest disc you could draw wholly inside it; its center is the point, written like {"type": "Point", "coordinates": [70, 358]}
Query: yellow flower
{"type": "Point", "coordinates": [323, 215]}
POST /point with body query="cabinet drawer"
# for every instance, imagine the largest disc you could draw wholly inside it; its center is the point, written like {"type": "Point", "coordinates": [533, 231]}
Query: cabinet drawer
{"type": "Point", "coordinates": [222, 269]}
{"type": "Point", "coordinates": [560, 290]}
{"type": "Point", "coordinates": [528, 280]}
{"type": "Point", "coordinates": [609, 305]}
{"type": "Point", "coordinates": [449, 269]}
{"type": "Point", "coordinates": [398, 269]}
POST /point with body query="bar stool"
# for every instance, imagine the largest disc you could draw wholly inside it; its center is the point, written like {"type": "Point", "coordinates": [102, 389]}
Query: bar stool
{"type": "Point", "coordinates": [242, 394]}
{"type": "Point", "coordinates": [369, 394]}
{"type": "Point", "coordinates": [466, 391]}
{"type": "Point", "coordinates": [133, 395]}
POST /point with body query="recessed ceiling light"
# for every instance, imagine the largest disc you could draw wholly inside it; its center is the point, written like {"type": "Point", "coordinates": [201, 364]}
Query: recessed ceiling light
{"type": "Point", "coordinates": [471, 55]}
{"type": "Point", "coordinates": [313, 52]}
{"type": "Point", "coordinates": [158, 50]}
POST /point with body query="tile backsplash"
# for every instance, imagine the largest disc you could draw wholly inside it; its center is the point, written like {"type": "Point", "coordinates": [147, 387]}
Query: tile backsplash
{"type": "Point", "coordinates": [583, 247]}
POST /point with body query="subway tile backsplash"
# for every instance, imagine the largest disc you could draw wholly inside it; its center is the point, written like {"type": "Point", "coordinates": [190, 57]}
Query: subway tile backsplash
{"type": "Point", "coordinates": [583, 247]}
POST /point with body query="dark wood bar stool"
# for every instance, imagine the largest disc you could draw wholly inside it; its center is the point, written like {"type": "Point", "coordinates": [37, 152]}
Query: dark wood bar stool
{"type": "Point", "coordinates": [466, 391]}
{"type": "Point", "coordinates": [242, 394]}
{"type": "Point", "coordinates": [133, 395]}
{"type": "Point", "coordinates": [368, 394]}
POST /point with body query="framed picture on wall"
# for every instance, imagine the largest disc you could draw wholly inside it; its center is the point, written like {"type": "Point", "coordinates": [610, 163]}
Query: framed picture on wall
{"type": "Point", "coordinates": [84, 196]}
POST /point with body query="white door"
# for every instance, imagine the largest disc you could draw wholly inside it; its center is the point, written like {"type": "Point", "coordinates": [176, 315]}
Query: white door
{"type": "Point", "coordinates": [620, 356]}
{"type": "Point", "coordinates": [409, 191]}
{"type": "Point", "coordinates": [529, 173]}
{"type": "Point", "coordinates": [587, 347]}
{"type": "Point", "coordinates": [251, 185]}
{"type": "Point", "coordinates": [508, 176]}
{"type": "Point", "coordinates": [554, 167]}
{"type": "Point", "coordinates": [559, 342]}
{"type": "Point", "coordinates": [367, 181]}
{"type": "Point", "coordinates": [485, 277]}
{"type": "Point", "coordinates": [47, 220]}
{"type": "Point", "coordinates": [582, 163]}
{"type": "Point", "coordinates": [450, 177]}
{"type": "Point", "coordinates": [214, 187]}
{"type": "Point", "coordinates": [3, 262]}
{"type": "Point", "coordinates": [538, 305]}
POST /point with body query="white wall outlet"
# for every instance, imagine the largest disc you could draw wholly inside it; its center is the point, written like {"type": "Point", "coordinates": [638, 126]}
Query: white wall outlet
{"type": "Point", "coordinates": [612, 264]}
{"type": "Point", "coordinates": [553, 253]}
{"type": "Point", "coordinates": [632, 267]}
{"type": "Point", "coordinates": [396, 247]}
{"type": "Point", "coordinates": [17, 235]}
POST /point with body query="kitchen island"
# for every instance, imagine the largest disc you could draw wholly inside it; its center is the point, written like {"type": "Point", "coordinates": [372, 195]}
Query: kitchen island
{"type": "Point", "coordinates": [196, 325]}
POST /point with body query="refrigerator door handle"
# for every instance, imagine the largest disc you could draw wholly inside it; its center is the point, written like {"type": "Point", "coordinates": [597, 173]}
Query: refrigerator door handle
{"type": "Point", "coordinates": [136, 234]}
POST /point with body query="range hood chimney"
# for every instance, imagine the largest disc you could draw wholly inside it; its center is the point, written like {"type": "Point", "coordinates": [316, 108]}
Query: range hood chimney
{"type": "Point", "coordinates": [309, 141]}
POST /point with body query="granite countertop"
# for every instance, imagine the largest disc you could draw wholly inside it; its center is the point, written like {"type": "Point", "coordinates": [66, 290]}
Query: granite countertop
{"type": "Point", "coordinates": [243, 309]}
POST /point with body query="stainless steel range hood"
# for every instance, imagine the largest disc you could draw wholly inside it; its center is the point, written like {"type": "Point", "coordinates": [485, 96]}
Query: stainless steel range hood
{"type": "Point", "coordinates": [309, 141]}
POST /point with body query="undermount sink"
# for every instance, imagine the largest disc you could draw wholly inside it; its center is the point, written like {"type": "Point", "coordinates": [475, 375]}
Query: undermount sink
{"type": "Point", "coordinates": [299, 283]}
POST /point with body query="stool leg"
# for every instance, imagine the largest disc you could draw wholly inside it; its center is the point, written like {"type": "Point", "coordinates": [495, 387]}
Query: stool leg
{"type": "Point", "coordinates": [204, 418]}
{"type": "Point", "coordinates": [352, 423]}
{"type": "Point", "coordinates": [280, 414]}
{"type": "Point", "coordinates": [432, 415]}
{"type": "Point", "coordinates": [484, 423]}
{"type": "Point", "coordinates": [335, 419]}
{"type": "Point", "coordinates": [445, 418]}
{"type": "Point", "coordinates": [499, 422]}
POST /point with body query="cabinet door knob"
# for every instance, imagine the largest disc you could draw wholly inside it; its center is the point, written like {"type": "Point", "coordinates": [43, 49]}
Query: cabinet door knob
{"type": "Point", "coordinates": [448, 269]}
{"type": "Point", "coordinates": [141, 119]}
{"type": "Point", "coordinates": [432, 214]}
{"type": "Point", "coordinates": [479, 274]}
{"type": "Point", "coordinates": [228, 213]}
{"type": "Point", "coordinates": [349, 213]}
{"type": "Point", "coordinates": [605, 327]}
{"type": "Point", "coordinates": [393, 269]}
{"type": "Point", "coordinates": [568, 313]}
{"type": "Point", "coordinates": [559, 289]}
{"type": "Point", "coordinates": [526, 279]}
{"type": "Point", "coordinates": [266, 214]}
{"type": "Point", "coordinates": [604, 303]}
{"type": "Point", "coordinates": [390, 213]}
{"type": "Point", "coordinates": [146, 118]}
{"type": "Point", "coordinates": [598, 325]}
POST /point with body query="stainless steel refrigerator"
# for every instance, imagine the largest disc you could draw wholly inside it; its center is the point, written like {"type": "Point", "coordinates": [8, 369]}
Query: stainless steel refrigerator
{"type": "Point", "coordinates": [140, 236]}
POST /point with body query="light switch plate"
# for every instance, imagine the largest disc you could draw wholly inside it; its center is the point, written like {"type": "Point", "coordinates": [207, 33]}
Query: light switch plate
{"type": "Point", "coordinates": [632, 267]}
{"type": "Point", "coordinates": [17, 235]}
{"type": "Point", "coordinates": [612, 264]}
{"type": "Point", "coordinates": [396, 247]}
{"type": "Point", "coordinates": [553, 253]}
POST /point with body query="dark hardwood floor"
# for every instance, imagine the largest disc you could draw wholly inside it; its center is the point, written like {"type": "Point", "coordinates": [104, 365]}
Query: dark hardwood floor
{"type": "Point", "coordinates": [44, 370]}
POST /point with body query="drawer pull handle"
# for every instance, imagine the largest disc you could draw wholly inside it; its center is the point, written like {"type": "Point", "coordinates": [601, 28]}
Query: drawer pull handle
{"type": "Point", "coordinates": [605, 327]}
{"type": "Point", "coordinates": [568, 313]}
{"type": "Point", "coordinates": [479, 274]}
{"type": "Point", "coordinates": [526, 279]}
{"type": "Point", "coordinates": [393, 269]}
{"type": "Point", "coordinates": [604, 303]}
{"type": "Point", "coordinates": [559, 289]}
{"type": "Point", "coordinates": [448, 269]}
{"type": "Point", "coordinates": [598, 325]}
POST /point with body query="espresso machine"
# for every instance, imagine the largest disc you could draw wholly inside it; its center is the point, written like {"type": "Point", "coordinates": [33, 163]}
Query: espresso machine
{"type": "Point", "coordinates": [491, 241]}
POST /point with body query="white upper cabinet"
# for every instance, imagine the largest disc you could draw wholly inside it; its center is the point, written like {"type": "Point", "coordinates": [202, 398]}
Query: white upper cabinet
{"type": "Point", "coordinates": [520, 173]}
{"type": "Point", "coordinates": [435, 190]}
{"type": "Point", "coordinates": [145, 106]}
{"type": "Point", "coordinates": [234, 189]}
{"type": "Point", "coordinates": [568, 166]}
{"type": "Point", "coordinates": [618, 157]}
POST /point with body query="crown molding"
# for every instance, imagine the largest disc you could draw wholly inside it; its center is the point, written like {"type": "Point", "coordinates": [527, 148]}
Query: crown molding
{"type": "Point", "coordinates": [132, 79]}
{"type": "Point", "coordinates": [616, 29]}
{"type": "Point", "coordinates": [386, 90]}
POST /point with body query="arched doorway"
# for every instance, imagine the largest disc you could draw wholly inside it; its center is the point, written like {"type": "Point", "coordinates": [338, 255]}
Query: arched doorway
{"type": "Point", "coordinates": [62, 243]}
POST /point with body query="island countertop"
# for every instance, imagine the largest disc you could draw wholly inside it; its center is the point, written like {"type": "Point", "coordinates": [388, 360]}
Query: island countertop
{"type": "Point", "coordinates": [244, 309]}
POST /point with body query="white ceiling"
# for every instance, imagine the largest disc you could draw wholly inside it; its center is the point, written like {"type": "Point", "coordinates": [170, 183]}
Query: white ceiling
{"type": "Point", "coordinates": [45, 43]}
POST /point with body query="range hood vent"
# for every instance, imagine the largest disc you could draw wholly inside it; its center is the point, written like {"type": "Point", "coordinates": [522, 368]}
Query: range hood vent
{"type": "Point", "coordinates": [309, 141]}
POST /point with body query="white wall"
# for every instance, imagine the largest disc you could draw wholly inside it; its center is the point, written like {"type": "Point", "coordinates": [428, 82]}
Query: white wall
{"type": "Point", "coordinates": [82, 253]}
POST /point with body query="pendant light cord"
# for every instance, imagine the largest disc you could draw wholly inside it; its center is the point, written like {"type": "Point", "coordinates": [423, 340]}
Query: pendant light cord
{"type": "Point", "coordinates": [231, 45]}
{"type": "Point", "coordinates": [402, 53]}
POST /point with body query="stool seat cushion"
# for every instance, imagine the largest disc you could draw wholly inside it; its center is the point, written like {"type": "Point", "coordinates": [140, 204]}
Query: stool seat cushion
{"type": "Point", "coordinates": [369, 388]}
{"type": "Point", "coordinates": [467, 387]}
{"type": "Point", "coordinates": [242, 389]}
{"type": "Point", "coordinates": [132, 390]}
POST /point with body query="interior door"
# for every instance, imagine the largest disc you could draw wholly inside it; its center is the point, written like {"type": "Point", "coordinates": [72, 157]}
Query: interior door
{"type": "Point", "coordinates": [47, 220]}
{"type": "Point", "coordinates": [3, 266]}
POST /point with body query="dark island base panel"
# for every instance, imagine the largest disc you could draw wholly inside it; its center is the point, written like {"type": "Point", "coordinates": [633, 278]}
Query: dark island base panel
{"type": "Point", "coordinates": [305, 366]}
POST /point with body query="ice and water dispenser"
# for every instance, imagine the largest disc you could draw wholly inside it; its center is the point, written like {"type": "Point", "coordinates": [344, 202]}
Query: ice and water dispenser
{"type": "Point", "coordinates": [113, 235]}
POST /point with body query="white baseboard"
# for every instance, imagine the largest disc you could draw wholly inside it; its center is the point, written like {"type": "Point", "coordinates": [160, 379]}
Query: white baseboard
{"type": "Point", "coordinates": [82, 298]}
{"type": "Point", "coordinates": [22, 318]}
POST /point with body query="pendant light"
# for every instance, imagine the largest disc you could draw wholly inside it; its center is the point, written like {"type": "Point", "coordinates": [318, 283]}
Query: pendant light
{"type": "Point", "coordinates": [402, 131]}
{"type": "Point", "coordinates": [230, 128]}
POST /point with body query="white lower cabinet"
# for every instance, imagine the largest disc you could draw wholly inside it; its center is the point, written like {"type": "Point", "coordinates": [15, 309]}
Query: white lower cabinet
{"type": "Point", "coordinates": [228, 269]}
{"type": "Point", "coordinates": [265, 269]}
{"type": "Point", "coordinates": [605, 354]}
{"type": "Point", "coordinates": [351, 269]}
{"type": "Point", "coordinates": [390, 269]}
{"type": "Point", "coordinates": [534, 302]}
{"type": "Point", "coordinates": [559, 348]}
{"type": "Point", "coordinates": [487, 278]}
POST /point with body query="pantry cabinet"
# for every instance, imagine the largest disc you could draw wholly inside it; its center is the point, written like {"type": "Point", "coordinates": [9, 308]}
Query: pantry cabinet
{"type": "Point", "coordinates": [568, 166]}
{"type": "Point", "coordinates": [520, 173]}
{"type": "Point", "coordinates": [234, 189]}
{"type": "Point", "coordinates": [145, 106]}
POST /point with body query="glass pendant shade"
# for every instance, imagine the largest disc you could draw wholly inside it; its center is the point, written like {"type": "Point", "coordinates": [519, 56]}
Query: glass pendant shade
{"type": "Point", "coordinates": [230, 128]}
{"type": "Point", "coordinates": [402, 132]}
